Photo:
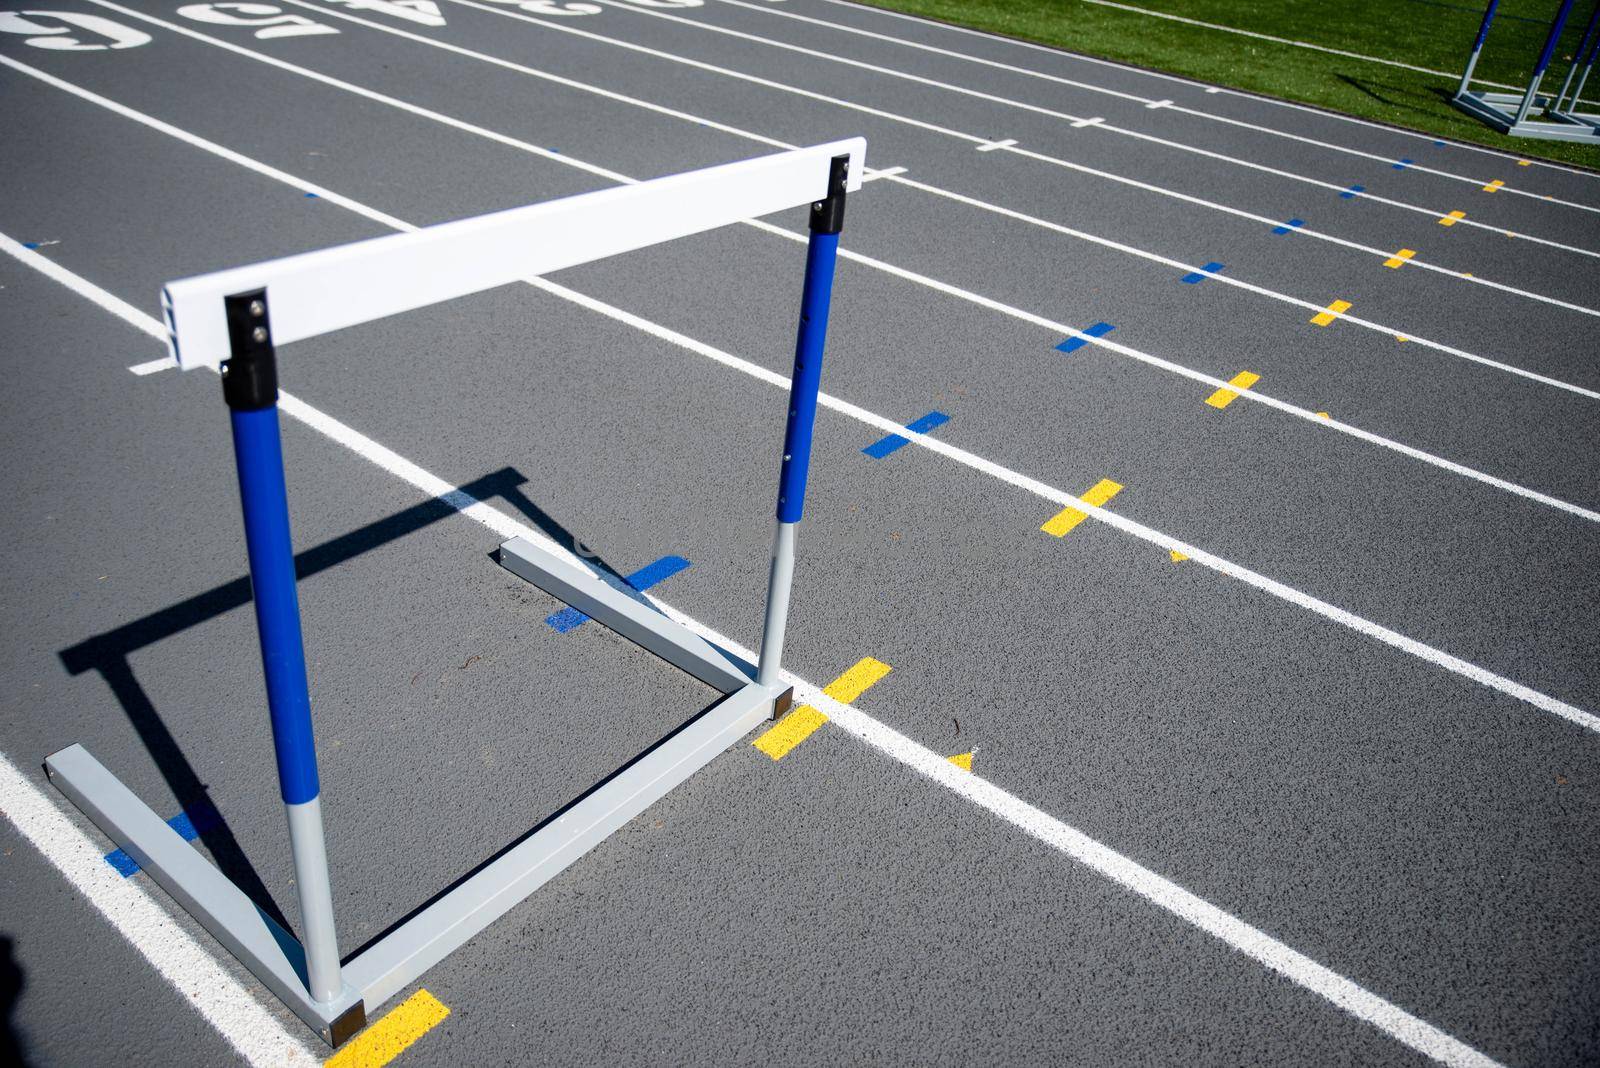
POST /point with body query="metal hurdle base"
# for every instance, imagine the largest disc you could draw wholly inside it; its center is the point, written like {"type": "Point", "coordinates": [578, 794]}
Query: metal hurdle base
{"type": "Point", "coordinates": [1590, 119]}
{"type": "Point", "coordinates": [1499, 110]}
{"type": "Point", "coordinates": [384, 968]}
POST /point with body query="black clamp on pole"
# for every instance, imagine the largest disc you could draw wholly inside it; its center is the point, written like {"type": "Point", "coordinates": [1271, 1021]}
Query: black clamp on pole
{"type": "Point", "coordinates": [827, 216]}
{"type": "Point", "coordinates": [250, 373]}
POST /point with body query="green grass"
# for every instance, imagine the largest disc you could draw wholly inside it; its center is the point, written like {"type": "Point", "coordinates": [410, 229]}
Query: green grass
{"type": "Point", "coordinates": [1424, 33]}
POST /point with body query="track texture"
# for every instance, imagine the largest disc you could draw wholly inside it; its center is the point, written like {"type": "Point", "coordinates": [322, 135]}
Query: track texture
{"type": "Point", "coordinates": [1283, 724]}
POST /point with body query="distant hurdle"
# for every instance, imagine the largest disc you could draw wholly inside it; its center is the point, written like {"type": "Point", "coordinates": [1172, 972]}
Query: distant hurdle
{"type": "Point", "coordinates": [1531, 113]}
{"type": "Point", "coordinates": [232, 321]}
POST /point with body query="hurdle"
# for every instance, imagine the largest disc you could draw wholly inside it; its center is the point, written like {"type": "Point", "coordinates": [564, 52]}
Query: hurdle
{"type": "Point", "coordinates": [232, 321]}
{"type": "Point", "coordinates": [1530, 113]}
{"type": "Point", "coordinates": [1582, 63]}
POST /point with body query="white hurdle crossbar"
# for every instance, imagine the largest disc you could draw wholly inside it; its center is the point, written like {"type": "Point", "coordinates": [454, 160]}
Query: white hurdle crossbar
{"type": "Point", "coordinates": [232, 320]}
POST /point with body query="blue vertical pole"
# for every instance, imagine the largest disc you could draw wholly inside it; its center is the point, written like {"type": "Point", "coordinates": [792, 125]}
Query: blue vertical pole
{"type": "Point", "coordinates": [1549, 50]}
{"type": "Point", "coordinates": [1477, 46]}
{"type": "Point", "coordinates": [1588, 64]}
{"type": "Point", "coordinates": [250, 386]}
{"type": "Point", "coordinates": [827, 219]}
{"type": "Point", "coordinates": [1578, 61]}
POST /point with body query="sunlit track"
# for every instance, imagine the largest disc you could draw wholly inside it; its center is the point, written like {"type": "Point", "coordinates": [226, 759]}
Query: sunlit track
{"type": "Point", "coordinates": [183, 965]}
{"type": "Point", "coordinates": [1476, 182]}
{"type": "Point", "coordinates": [1305, 415]}
{"type": "Point", "coordinates": [1108, 127]}
{"type": "Point", "coordinates": [982, 205]}
{"type": "Point", "coordinates": [1385, 329]}
{"type": "Point", "coordinates": [1054, 495]}
{"type": "Point", "coordinates": [976, 140]}
{"type": "Point", "coordinates": [1160, 723]}
{"type": "Point", "coordinates": [1255, 98]}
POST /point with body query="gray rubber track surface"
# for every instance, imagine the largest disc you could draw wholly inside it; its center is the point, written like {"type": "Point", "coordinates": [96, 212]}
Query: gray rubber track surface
{"type": "Point", "coordinates": [1423, 835]}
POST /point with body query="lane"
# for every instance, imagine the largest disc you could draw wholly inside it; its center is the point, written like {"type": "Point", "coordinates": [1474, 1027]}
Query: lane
{"type": "Point", "coordinates": [1294, 557]}
{"type": "Point", "coordinates": [574, 995]}
{"type": "Point", "coordinates": [530, 71]}
{"type": "Point", "coordinates": [1476, 440]}
{"type": "Point", "coordinates": [1298, 560]}
{"type": "Point", "coordinates": [1141, 225]}
{"type": "Point", "coordinates": [513, 413]}
{"type": "Point", "coordinates": [1556, 178]}
{"type": "Point", "coordinates": [1151, 120]}
{"type": "Point", "coordinates": [505, 362]}
{"type": "Point", "coordinates": [1163, 116]}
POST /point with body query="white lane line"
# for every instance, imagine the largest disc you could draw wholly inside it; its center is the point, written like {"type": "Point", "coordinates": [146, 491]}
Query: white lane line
{"type": "Point", "coordinates": [1153, 887]}
{"type": "Point", "coordinates": [193, 973]}
{"type": "Point", "coordinates": [1110, 127]}
{"type": "Point", "coordinates": [1452, 76]}
{"type": "Point", "coordinates": [936, 190]}
{"type": "Point", "coordinates": [990, 146]}
{"type": "Point", "coordinates": [166, 363]}
{"type": "Point", "coordinates": [1132, 527]}
{"type": "Point", "coordinates": [1049, 493]}
{"type": "Point", "coordinates": [873, 174]}
{"type": "Point", "coordinates": [1157, 889]}
{"type": "Point", "coordinates": [1238, 282]}
{"type": "Point", "coordinates": [1254, 98]}
{"type": "Point", "coordinates": [973, 139]}
{"type": "Point", "coordinates": [1255, 396]}
{"type": "Point", "coordinates": [1081, 123]}
{"type": "Point", "coordinates": [1199, 113]}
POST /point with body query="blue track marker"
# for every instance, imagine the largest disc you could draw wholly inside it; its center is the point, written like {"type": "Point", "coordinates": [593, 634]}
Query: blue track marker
{"type": "Point", "coordinates": [1438, 144]}
{"type": "Point", "coordinates": [1073, 344]}
{"type": "Point", "coordinates": [1194, 278]}
{"type": "Point", "coordinates": [1292, 224]}
{"type": "Point", "coordinates": [1352, 191]}
{"type": "Point", "coordinates": [1402, 164]}
{"type": "Point", "coordinates": [884, 446]}
{"type": "Point", "coordinates": [641, 580]}
{"type": "Point", "coordinates": [181, 823]}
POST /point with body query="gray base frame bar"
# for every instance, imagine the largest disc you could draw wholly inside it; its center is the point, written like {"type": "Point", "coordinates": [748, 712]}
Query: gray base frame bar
{"type": "Point", "coordinates": [1500, 111]}
{"type": "Point", "coordinates": [272, 954]}
{"type": "Point", "coordinates": [624, 613]}
{"type": "Point", "coordinates": [276, 957]}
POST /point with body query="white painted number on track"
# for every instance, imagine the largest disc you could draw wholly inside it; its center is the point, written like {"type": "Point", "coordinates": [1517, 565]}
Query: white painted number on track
{"type": "Point", "coordinates": [552, 7]}
{"type": "Point", "coordinates": [61, 39]}
{"type": "Point", "coordinates": [423, 11]}
{"type": "Point", "coordinates": [268, 21]}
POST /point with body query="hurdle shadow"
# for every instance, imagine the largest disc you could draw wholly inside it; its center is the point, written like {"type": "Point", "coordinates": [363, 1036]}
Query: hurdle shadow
{"type": "Point", "coordinates": [12, 983]}
{"type": "Point", "coordinates": [1414, 99]}
{"type": "Point", "coordinates": [456, 883]}
{"type": "Point", "coordinates": [109, 653]}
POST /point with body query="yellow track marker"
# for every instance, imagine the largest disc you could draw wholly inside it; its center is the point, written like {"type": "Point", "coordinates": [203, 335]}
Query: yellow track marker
{"type": "Point", "coordinates": [1060, 524]}
{"type": "Point", "coordinates": [391, 1035]}
{"type": "Point", "coordinates": [1524, 163]}
{"type": "Point", "coordinates": [1453, 218]}
{"type": "Point", "coordinates": [1492, 186]}
{"type": "Point", "coordinates": [1323, 318]}
{"type": "Point", "coordinates": [962, 760]}
{"type": "Point", "coordinates": [1177, 557]}
{"type": "Point", "coordinates": [801, 722]}
{"type": "Point", "coordinates": [1401, 337]}
{"type": "Point", "coordinates": [1324, 415]}
{"type": "Point", "coordinates": [857, 681]}
{"type": "Point", "coordinates": [790, 731]}
{"type": "Point", "coordinates": [1398, 260]}
{"type": "Point", "coordinates": [1224, 397]}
